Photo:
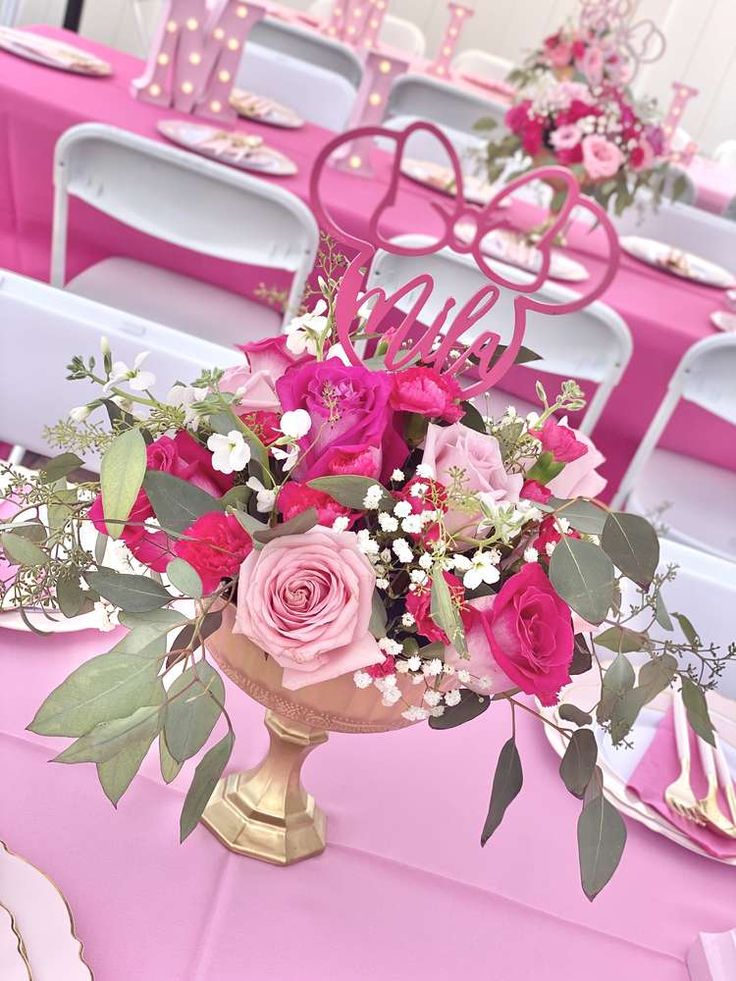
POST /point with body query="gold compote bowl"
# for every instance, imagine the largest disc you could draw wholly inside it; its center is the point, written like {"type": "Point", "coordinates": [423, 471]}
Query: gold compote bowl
{"type": "Point", "coordinates": [266, 812]}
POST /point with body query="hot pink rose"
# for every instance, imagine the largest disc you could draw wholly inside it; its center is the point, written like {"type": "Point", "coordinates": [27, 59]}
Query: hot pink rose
{"type": "Point", "coordinates": [580, 477]}
{"type": "Point", "coordinates": [419, 603]}
{"type": "Point", "coordinates": [529, 633]}
{"type": "Point", "coordinates": [487, 678]}
{"type": "Point", "coordinates": [295, 498]}
{"type": "Point", "coordinates": [350, 412]}
{"type": "Point", "coordinates": [219, 547]}
{"type": "Point", "coordinates": [601, 158]}
{"type": "Point", "coordinates": [306, 600]}
{"type": "Point", "coordinates": [534, 491]}
{"type": "Point", "coordinates": [642, 156]}
{"type": "Point", "coordinates": [477, 456]}
{"type": "Point", "coordinates": [561, 441]}
{"type": "Point", "coordinates": [426, 391]}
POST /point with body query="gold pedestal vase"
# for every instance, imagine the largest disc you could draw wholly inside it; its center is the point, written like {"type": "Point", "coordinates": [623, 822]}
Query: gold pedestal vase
{"type": "Point", "coordinates": [266, 813]}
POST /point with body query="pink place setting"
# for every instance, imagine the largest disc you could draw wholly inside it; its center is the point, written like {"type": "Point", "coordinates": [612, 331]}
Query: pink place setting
{"type": "Point", "coordinates": [246, 151]}
{"type": "Point", "coordinates": [52, 53]}
{"type": "Point", "coordinates": [259, 109]}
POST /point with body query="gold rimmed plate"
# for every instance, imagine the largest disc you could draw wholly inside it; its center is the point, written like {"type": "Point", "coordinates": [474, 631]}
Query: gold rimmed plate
{"type": "Point", "coordinates": [14, 964]}
{"type": "Point", "coordinates": [246, 151]}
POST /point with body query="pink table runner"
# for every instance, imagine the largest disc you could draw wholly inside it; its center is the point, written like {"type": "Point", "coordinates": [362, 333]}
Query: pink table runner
{"type": "Point", "coordinates": [403, 890]}
{"type": "Point", "coordinates": [715, 184]}
{"type": "Point", "coordinates": [666, 315]}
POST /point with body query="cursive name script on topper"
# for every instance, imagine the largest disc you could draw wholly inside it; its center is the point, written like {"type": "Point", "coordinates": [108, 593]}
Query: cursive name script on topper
{"type": "Point", "coordinates": [440, 343]}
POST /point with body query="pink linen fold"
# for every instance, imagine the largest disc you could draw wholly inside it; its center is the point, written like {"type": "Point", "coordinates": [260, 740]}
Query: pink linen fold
{"type": "Point", "coordinates": [659, 766]}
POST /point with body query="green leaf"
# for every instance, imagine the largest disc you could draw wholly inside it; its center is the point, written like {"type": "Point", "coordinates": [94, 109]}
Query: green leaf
{"type": "Point", "coordinates": [121, 476]}
{"type": "Point", "coordinates": [469, 707]}
{"type": "Point", "coordinates": [625, 712]}
{"type": "Point", "coordinates": [296, 526]}
{"type": "Point", "coordinates": [445, 613]}
{"type": "Point", "coordinates": [146, 627]}
{"type": "Point", "coordinates": [507, 783]}
{"type": "Point", "coordinates": [545, 469]}
{"type": "Point", "coordinates": [250, 524]}
{"type": "Point", "coordinates": [601, 840]}
{"type": "Point", "coordinates": [110, 738]}
{"type": "Point", "coordinates": [169, 767]}
{"type": "Point", "coordinates": [108, 686]}
{"type": "Point", "coordinates": [19, 550]}
{"type": "Point", "coordinates": [582, 657]}
{"type": "Point", "coordinates": [571, 713]}
{"type": "Point", "coordinates": [177, 504]}
{"type": "Point", "coordinates": [578, 763]}
{"type": "Point", "coordinates": [661, 615]}
{"type": "Point", "coordinates": [472, 418]}
{"type": "Point", "coordinates": [237, 497]}
{"type": "Point", "coordinates": [377, 624]}
{"type": "Point", "coordinates": [208, 772]}
{"type": "Point", "coordinates": [70, 596]}
{"type": "Point", "coordinates": [584, 516]}
{"type": "Point", "coordinates": [622, 640]}
{"type": "Point", "coordinates": [657, 674]}
{"type": "Point", "coordinates": [697, 710]}
{"type": "Point", "coordinates": [691, 634]}
{"type": "Point", "coordinates": [59, 467]}
{"type": "Point", "coordinates": [618, 679]}
{"type": "Point", "coordinates": [351, 491]}
{"type": "Point", "coordinates": [194, 706]}
{"type": "Point", "coordinates": [184, 578]}
{"type": "Point", "coordinates": [134, 594]}
{"type": "Point", "coordinates": [583, 576]}
{"type": "Point", "coordinates": [632, 545]}
{"type": "Point", "coordinates": [116, 774]}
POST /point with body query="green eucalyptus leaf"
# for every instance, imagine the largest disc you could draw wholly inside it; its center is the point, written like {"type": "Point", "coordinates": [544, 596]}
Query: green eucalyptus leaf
{"type": "Point", "coordinates": [507, 782]}
{"type": "Point", "coordinates": [472, 418]}
{"type": "Point", "coordinates": [661, 615]}
{"type": "Point", "coordinates": [617, 681]}
{"type": "Point", "coordinates": [195, 703]}
{"type": "Point", "coordinates": [578, 763]}
{"type": "Point", "coordinates": [151, 625]}
{"type": "Point", "coordinates": [184, 578]}
{"type": "Point", "coordinates": [116, 774]}
{"type": "Point", "coordinates": [20, 550]}
{"type": "Point", "coordinates": [601, 841]}
{"type": "Point", "coordinates": [583, 515]}
{"type": "Point", "coordinates": [208, 772]}
{"type": "Point", "coordinates": [469, 707]}
{"type": "Point", "coordinates": [250, 524]}
{"type": "Point", "coordinates": [110, 738]}
{"type": "Point", "coordinates": [351, 491]}
{"type": "Point", "coordinates": [632, 545]}
{"type": "Point", "coordinates": [697, 710]}
{"type": "Point", "coordinates": [298, 525]}
{"type": "Point", "coordinates": [177, 503]}
{"type": "Point", "coordinates": [377, 624]}
{"type": "Point", "coordinates": [70, 596]}
{"type": "Point", "coordinates": [657, 674]}
{"type": "Point", "coordinates": [134, 594]}
{"type": "Point", "coordinates": [691, 634]}
{"type": "Point", "coordinates": [169, 767]}
{"type": "Point", "coordinates": [571, 713]}
{"type": "Point", "coordinates": [121, 475]}
{"type": "Point", "coordinates": [622, 640]}
{"type": "Point", "coordinates": [445, 613]}
{"type": "Point", "coordinates": [584, 577]}
{"type": "Point", "coordinates": [59, 467]}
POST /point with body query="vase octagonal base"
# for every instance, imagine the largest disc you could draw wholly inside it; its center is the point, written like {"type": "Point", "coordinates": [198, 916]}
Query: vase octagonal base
{"type": "Point", "coordinates": [266, 813]}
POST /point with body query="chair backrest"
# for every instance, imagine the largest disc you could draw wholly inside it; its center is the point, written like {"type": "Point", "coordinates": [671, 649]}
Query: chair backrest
{"type": "Point", "coordinates": [9, 11]}
{"type": "Point", "coordinates": [42, 328]}
{"type": "Point", "coordinates": [396, 32]}
{"type": "Point", "coordinates": [181, 198]}
{"type": "Point", "coordinates": [440, 102]}
{"type": "Point", "coordinates": [421, 145]}
{"type": "Point", "coordinates": [304, 44]}
{"type": "Point", "coordinates": [593, 344]}
{"type": "Point", "coordinates": [705, 376]}
{"type": "Point", "coordinates": [317, 94]}
{"type": "Point", "coordinates": [725, 153]}
{"type": "Point", "coordinates": [477, 62]}
{"type": "Point", "coordinates": [684, 227]}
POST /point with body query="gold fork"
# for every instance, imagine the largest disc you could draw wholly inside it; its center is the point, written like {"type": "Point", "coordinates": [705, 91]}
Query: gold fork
{"type": "Point", "coordinates": [679, 796]}
{"type": "Point", "coordinates": [709, 806]}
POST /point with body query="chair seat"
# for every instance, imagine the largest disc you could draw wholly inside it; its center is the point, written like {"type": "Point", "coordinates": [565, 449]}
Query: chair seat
{"type": "Point", "coordinates": [184, 304]}
{"type": "Point", "coordinates": [697, 498]}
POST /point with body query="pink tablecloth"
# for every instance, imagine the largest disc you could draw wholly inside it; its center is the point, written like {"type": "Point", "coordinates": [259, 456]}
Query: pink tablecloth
{"type": "Point", "coordinates": [666, 315]}
{"type": "Point", "coordinates": [715, 184]}
{"type": "Point", "coordinates": [403, 891]}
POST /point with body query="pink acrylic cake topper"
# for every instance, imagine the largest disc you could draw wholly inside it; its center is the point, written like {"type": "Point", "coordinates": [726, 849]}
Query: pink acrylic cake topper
{"type": "Point", "coordinates": [437, 343]}
{"type": "Point", "coordinates": [195, 55]}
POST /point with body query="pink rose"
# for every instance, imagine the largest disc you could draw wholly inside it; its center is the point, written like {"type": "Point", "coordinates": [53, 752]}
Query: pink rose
{"type": "Point", "coordinates": [271, 355]}
{"type": "Point", "coordinates": [477, 456]}
{"type": "Point", "coordinates": [529, 633]}
{"type": "Point", "coordinates": [295, 498]}
{"type": "Point", "coordinates": [565, 137]}
{"type": "Point", "coordinates": [219, 547]}
{"type": "Point", "coordinates": [642, 155]}
{"type": "Point", "coordinates": [601, 158]}
{"type": "Point", "coordinates": [534, 491]}
{"type": "Point", "coordinates": [256, 389]}
{"type": "Point", "coordinates": [580, 477]}
{"type": "Point", "coordinates": [306, 600]}
{"type": "Point", "coordinates": [427, 392]}
{"type": "Point", "coordinates": [560, 440]}
{"type": "Point", "coordinates": [560, 56]}
{"type": "Point", "coordinates": [591, 65]}
{"type": "Point", "coordinates": [480, 662]}
{"type": "Point", "coordinates": [350, 412]}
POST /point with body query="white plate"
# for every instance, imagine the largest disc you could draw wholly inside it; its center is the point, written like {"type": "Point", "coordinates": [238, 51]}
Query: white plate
{"type": "Point", "coordinates": [724, 320]}
{"type": "Point", "coordinates": [12, 620]}
{"type": "Point", "coordinates": [442, 179]}
{"type": "Point", "coordinates": [242, 150]}
{"type": "Point", "coordinates": [14, 964]}
{"type": "Point", "coordinates": [44, 920]}
{"type": "Point", "coordinates": [261, 109]}
{"type": "Point", "coordinates": [618, 764]}
{"type": "Point", "coordinates": [54, 54]}
{"type": "Point", "coordinates": [503, 245]}
{"type": "Point", "coordinates": [686, 265]}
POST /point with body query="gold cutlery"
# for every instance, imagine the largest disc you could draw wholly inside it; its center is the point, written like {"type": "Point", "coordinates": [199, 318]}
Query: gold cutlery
{"type": "Point", "coordinates": [709, 806]}
{"type": "Point", "coordinates": [679, 796]}
{"type": "Point", "coordinates": [724, 774]}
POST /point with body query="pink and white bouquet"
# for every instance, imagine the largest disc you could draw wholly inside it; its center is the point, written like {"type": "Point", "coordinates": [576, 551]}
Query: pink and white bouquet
{"type": "Point", "coordinates": [364, 523]}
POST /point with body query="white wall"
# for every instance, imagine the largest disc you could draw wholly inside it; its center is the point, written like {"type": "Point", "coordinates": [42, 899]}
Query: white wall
{"type": "Point", "coordinates": [701, 42]}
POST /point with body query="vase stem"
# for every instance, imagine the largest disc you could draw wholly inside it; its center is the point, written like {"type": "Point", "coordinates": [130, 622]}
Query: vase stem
{"type": "Point", "coordinates": [266, 812]}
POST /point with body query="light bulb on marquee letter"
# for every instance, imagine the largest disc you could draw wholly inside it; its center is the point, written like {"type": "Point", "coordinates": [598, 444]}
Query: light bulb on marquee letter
{"type": "Point", "coordinates": [459, 14]}
{"type": "Point", "coordinates": [195, 55]}
{"type": "Point", "coordinates": [673, 119]}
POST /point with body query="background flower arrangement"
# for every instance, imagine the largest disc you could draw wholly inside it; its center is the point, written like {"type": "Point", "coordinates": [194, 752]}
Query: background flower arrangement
{"type": "Point", "coordinates": [364, 523]}
{"type": "Point", "coordinates": [574, 106]}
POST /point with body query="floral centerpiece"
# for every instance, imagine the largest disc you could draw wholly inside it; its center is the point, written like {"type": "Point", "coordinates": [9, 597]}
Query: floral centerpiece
{"type": "Point", "coordinates": [355, 523]}
{"type": "Point", "coordinates": [574, 106]}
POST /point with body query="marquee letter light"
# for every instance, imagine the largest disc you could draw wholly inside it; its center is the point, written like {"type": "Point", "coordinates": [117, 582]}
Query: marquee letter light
{"type": "Point", "coordinates": [444, 342]}
{"type": "Point", "coordinates": [195, 55]}
{"type": "Point", "coordinates": [683, 94]}
{"type": "Point", "coordinates": [459, 14]}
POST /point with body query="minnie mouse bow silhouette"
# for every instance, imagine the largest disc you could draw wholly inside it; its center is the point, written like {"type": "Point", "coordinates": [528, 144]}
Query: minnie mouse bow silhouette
{"type": "Point", "coordinates": [437, 344]}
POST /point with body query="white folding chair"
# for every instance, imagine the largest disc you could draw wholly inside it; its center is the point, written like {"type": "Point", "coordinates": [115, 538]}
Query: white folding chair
{"type": "Point", "coordinates": [725, 153]}
{"type": "Point", "coordinates": [473, 61]}
{"type": "Point", "coordinates": [683, 227]}
{"type": "Point", "coordinates": [700, 496]}
{"type": "Point", "coordinates": [42, 328]}
{"type": "Point", "coordinates": [316, 76]}
{"type": "Point", "coordinates": [188, 201]}
{"type": "Point", "coordinates": [396, 32]}
{"type": "Point", "coordinates": [9, 11]}
{"type": "Point", "coordinates": [593, 344]}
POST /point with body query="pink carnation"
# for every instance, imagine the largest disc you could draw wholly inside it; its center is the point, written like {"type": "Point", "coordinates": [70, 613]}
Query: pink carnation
{"type": "Point", "coordinates": [220, 543]}
{"type": "Point", "coordinates": [295, 498]}
{"type": "Point", "coordinates": [560, 441]}
{"type": "Point", "coordinates": [425, 391]}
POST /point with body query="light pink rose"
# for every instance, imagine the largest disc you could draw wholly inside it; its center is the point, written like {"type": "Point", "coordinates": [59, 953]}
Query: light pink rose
{"type": "Point", "coordinates": [478, 455]}
{"type": "Point", "coordinates": [601, 158]}
{"type": "Point", "coordinates": [306, 600]}
{"type": "Point", "coordinates": [257, 389]}
{"type": "Point", "coordinates": [566, 137]}
{"type": "Point", "coordinates": [481, 663]}
{"type": "Point", "coordinates": [560, 56]}
{"type": "Point", "coordinates": [579, 477]}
